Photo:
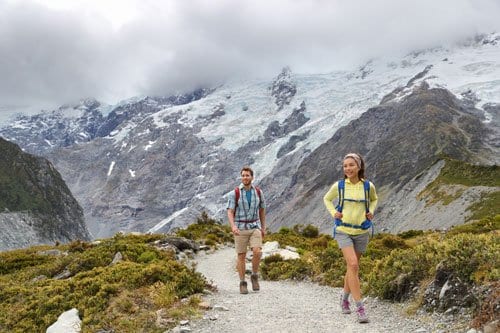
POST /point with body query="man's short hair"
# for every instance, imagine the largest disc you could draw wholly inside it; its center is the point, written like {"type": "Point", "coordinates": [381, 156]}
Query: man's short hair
{"type": "Point", "coordinates": [246, 168]}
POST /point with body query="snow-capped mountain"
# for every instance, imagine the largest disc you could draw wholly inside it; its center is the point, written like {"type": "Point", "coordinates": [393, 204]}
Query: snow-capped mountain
{"type": "Point", "coordinates": [150, 164]}
{"type": "Point", "coordinates": [84, 121]}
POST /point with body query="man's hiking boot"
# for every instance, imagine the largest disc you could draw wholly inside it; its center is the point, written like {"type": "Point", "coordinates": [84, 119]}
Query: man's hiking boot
{"type": "Point", "coordinates": [255, 282]}
{"type": "Point", "coordinates": [344, 304]}
{"type": "Point", "coordinates": [243, 287]}
{"type": "Point", "coordinates": [362, 317]}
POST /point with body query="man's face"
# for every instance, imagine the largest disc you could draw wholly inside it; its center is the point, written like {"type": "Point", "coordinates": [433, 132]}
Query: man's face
{"type": "Point", "coordinates": [246, 178]}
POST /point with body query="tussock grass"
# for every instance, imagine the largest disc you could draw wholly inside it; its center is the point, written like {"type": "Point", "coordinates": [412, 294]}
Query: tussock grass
{"type": "Point", "coordinates": [207, 231]}
{"type": "Point", "coordinates": [123, 297]}
{"type": "Point", "coordinates": [455, 177]}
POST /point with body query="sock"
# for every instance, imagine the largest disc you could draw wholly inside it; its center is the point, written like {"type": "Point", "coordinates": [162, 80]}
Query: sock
{"type": "Point", "coordinates": [255, 274]}
{"type": "Point", "coordinates": [346, 296]}
{"type": "Point", "coordinates": [359, 304]}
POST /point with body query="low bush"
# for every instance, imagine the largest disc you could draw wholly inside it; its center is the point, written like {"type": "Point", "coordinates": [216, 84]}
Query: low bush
{"type": "Point", "coordinates": [208, 231]}
{"type": "Point", "coordinates": [123, 297]}
{"type": "Point", "coordinates": [295, 269]}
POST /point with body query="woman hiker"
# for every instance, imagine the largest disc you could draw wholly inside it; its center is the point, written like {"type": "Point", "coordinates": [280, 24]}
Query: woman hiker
{"type": "Point", "coordinates": [357, 202]}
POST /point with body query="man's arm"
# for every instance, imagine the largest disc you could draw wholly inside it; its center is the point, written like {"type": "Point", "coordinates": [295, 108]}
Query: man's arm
{"type": "Point", "coordinates": [230, 217]}
{"type": "Point", "coordinates": [262, 217]}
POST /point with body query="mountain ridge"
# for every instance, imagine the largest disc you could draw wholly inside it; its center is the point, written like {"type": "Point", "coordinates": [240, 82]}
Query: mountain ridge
{"type": "Point", "coordinates": [161, 165]}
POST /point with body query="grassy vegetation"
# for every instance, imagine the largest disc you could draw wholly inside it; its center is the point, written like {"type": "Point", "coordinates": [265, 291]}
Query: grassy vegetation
{"type": "Point", "coordinates": [207, 231]}
{"type": "Point", "coordinates": [127, 296]}
{"type": "Point", "coordinates": [488, 205]}
{"type": "Point", "coordinates": [124, 297]}
{"type": "Point", "coordinates": [457, 176]}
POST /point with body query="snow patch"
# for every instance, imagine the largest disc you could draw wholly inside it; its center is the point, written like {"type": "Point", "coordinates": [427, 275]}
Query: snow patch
{"type": "Point", "coordinates": [111, 166]}
{"type": "Point", "coordinates": [166, 221]}
{"type": "Point", "coordinates": [150, 144]}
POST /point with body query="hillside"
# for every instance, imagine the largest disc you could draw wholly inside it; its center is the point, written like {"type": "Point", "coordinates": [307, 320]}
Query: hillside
{"type": "Point", "coordinates": [36, 206]}
{"type": "Point", "coordinates": [401, 142]}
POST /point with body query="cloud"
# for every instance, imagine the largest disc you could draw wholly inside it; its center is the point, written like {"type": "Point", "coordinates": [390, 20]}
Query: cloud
{"type": "Point", "coordinates": [57, 55]}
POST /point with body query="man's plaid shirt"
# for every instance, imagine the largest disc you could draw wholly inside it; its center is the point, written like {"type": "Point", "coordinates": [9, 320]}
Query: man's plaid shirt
{"type": "Point", "coordinates": [247, 215]}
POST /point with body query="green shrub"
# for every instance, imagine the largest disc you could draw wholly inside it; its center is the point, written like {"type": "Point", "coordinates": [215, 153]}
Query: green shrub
{"type": "Point", "coordinates": [207, 229]}
{"type": "Point", "coordinates": [484, 225]}
{"type": "Point", "coordinates": [11, 261]}
{"type": "Point", "coordinates": [471, 256]}
{"type": "Point", "coordinates": [382, 245]}
{"type": "Point", "coordinates": [321, 242]}
{"type": "Point", "coordinates": [329, 266]}
{"type": "Point", "coordinates": [272, 258]}
{"type": "Point", "coordinates": [310, 231]}
{"type": "Point", "coordinates": [284, 231]}
{"type": "Point", "coordinates": [213, 237]}
{"type": "Point", "coordinates": [210, 242]}
{"type": "Point", "coordinates": [394, 276]}
{"type": "Point", "coordinates": [147, 256]}
{"type": "Point", "coordinates": [118, 297]}
{"type": "Point", "coordinates": [205, 219]}
{"type": "Point", "coordinates": [411, 234]}
{"type": "Point", "coordinates": [290, 239]}
{"type": "Point", "coordinates": [295, 269]}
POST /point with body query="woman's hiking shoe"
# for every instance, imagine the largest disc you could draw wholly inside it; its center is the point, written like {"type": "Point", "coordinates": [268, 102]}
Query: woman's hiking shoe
{"type": "Point", "coordinates": [243, 287]}
{"type": "Point", "coordinates": [344, 304]}
{"type": "Point", "coordinates": [255, 282]}
{"type": "Point", "coordinates": [362, 317]}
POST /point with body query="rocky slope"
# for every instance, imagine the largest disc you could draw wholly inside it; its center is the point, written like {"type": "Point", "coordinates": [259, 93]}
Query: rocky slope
{"type": "Point", "coordinates": [401, 140]}
{"type": "Point", "coordinates": [36, 205]}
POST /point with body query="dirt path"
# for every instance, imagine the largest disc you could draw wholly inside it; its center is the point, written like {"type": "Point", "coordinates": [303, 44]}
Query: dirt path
{"type": "Point", "coordinates": [288, 306]}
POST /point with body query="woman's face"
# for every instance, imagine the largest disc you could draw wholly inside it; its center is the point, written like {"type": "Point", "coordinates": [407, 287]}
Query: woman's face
{"type": "Point", "coordinates": [351, 169]}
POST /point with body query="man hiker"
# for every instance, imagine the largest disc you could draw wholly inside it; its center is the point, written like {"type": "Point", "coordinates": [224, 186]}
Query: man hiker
{"type": "Point", "coordinates": [246, 211]}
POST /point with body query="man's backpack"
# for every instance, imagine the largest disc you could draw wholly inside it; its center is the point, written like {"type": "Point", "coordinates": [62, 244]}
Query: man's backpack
{"type": "Point", "coordinates": [237, 195]}
{"type": "Point", "coordinates": [367, 224]}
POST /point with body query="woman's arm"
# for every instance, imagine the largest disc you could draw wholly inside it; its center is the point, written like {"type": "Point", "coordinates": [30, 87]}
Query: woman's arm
{"type": "Point", "coordinates": [373, 198]}
{"type": "Point", "coordinates": [332, 194]}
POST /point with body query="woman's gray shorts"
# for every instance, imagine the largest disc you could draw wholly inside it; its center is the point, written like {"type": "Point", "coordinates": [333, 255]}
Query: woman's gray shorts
{"type": "Point", "coordinates": [360, 242]}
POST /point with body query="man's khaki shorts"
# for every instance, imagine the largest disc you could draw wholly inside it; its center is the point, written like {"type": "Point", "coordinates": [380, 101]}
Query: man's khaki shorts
{"type": "Point", "coordinates": [252, 237]}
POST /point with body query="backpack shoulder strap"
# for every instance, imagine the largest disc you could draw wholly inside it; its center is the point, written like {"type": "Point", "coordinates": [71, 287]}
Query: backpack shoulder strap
{"type": "Point", "coordinates": [257, 189]}
{"type": "Point", "coordinates": [236, 195]}
{"type": "Point", "coordinates": [236, 199]}
{"type": "Point", "coordinates": [366, 186]}
{"type": "Point", "coordinates": [341, 187]}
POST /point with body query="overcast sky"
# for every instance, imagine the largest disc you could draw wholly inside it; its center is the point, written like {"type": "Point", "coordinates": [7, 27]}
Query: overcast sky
{"type": "Point", "coordinates": [58, 51]}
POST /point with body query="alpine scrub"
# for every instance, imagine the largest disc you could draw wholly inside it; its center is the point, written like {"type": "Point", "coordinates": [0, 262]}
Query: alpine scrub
{"type": "Point", "coordinates": [207, 231]}
{"type": "Point", "coordinates": [124, 296]}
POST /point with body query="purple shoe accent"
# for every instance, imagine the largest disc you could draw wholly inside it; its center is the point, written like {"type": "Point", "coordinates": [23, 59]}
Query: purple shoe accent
{"type": "Point", "coordinates": [362, 317]}
{"type": "Point", "coordinates": [344, 304]}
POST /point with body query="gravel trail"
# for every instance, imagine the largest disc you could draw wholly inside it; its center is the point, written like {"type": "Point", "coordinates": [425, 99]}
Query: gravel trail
{"type": "Point", "coordinates": [287, 306]}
